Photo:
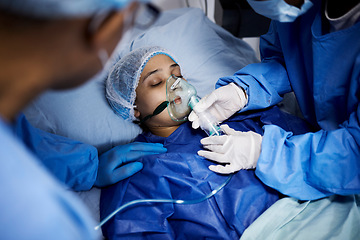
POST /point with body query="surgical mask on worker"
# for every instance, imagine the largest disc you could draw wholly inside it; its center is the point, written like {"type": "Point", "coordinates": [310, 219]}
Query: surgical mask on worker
{"type": "Point", "coordinates": [178, 95]}
{"type": "Point", "coordinates": [279, 10]}
{"type": "Point", "coordinates": [129, 17]}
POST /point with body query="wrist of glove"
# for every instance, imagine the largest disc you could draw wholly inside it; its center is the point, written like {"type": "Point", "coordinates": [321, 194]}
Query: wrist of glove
{"type": "Point", "coordinates": [236, 150]}
{"type": "Point", "coordinates": [221, 103]}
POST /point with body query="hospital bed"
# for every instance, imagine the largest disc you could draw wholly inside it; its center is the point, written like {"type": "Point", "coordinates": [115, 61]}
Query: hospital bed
{"type": "Point", "coordinates": [205, 52]}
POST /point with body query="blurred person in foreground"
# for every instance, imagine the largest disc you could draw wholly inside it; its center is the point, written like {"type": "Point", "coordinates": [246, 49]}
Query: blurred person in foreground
{"type": "Point", "coordinates": [52, 44]}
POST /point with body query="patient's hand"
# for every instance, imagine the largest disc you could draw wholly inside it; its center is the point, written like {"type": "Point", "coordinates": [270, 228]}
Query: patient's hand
{"type": "Point", "coordinates": [119, 162]}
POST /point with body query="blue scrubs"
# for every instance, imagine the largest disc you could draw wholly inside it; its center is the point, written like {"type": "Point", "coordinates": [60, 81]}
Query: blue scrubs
{"type": "Point", "coordinates": [72, 162]}
{"type": "Point", "coordinates": [182, 174]}
{"type": "Point", "coordinates": [32, 204]}
{"type": "Point", "coordinates": [323, 69]}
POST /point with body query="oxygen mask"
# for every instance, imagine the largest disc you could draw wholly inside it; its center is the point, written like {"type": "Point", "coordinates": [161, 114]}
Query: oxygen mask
{"type": "Point", "coordinates": [178, 94]}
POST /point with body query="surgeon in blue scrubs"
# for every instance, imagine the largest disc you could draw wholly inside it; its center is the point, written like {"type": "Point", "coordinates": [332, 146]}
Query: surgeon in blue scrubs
{"type": "Point", "coordinates": [313, 50]}
{"type": "Point", "coordinates": [54, 44]}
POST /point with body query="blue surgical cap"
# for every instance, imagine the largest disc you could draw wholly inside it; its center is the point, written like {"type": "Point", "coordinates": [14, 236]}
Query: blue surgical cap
{"type": "Point", "coordinates": [124, 77]}
{"type": "Point", "coordinates": [53, 9]}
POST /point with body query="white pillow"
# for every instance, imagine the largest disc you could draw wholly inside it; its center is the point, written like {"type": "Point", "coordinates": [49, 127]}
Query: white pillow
{"type": "Point", "coordinates": [205, 52]}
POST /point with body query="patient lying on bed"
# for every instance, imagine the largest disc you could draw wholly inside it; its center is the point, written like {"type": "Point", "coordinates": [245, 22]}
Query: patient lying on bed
{"type": "Point", "coordinates": [136, 86]}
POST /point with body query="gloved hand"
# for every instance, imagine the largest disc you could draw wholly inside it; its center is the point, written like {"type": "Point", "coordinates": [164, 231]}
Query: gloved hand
{"type": "Point", "coordinates": [221, 103]}
{"type": "Point", "coordinates": [238, 150]}
{"type": "Point", "coordinates": [118, 163]}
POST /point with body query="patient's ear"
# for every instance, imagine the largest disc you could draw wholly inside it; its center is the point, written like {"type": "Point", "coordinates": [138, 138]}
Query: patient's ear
{"type": "Point", "coordinates": [136, 112]}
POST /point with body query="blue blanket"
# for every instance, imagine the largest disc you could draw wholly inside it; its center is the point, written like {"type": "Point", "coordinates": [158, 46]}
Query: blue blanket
{"type": "Point", "coordinates": [182, 174]}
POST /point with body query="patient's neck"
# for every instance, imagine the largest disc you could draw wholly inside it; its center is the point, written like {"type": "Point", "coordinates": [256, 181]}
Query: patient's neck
{"type": "Point", "coordinates": [162, 131]}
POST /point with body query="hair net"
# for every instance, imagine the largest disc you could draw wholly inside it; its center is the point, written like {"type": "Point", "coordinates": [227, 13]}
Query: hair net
{"type": "Point", "coordinates": [61, 8]}
{"type": "Point", "coordinates": [124, 77]}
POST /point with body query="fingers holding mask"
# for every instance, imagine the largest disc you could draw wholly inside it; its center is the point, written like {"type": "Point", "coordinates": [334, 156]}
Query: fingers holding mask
{"type": "Point", "coordinates": [194, 119]}
{"type": "Point", "coordinates": [205, 103]}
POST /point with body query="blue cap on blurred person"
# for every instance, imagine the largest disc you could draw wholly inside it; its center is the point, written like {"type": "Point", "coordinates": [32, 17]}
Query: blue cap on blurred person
{"type": "Point", "coordinates": [55, 9]}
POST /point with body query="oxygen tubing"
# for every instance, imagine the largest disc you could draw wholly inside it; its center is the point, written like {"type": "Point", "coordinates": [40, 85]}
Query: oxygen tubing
{"type": "Point", "coordinates": [176, 201]}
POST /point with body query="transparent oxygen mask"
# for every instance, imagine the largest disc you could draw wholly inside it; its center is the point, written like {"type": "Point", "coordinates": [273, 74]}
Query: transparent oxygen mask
{"type": "Point", "coordinates": [182, 98]}
{"type": "Point", "coordinates": [178, 95]}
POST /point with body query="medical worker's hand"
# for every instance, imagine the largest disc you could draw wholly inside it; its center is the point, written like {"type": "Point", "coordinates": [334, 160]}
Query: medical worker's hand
{"type": "Point", "coordinates": [238, 150]}
{"type": "Point", "coordinates": [221, 103]}
{"type": "Point", "coordinates": [118, 163]}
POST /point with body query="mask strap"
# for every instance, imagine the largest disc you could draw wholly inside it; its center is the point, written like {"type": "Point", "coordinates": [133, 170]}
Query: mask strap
{"type": "Point", "coordinates": [157, 111]}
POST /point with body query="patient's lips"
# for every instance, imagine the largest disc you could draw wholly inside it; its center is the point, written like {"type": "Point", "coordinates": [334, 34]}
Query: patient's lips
{"type": "Point", "coordinates": [177, 100]}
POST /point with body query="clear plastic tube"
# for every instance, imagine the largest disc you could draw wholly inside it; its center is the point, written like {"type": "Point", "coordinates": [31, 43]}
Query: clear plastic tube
{"type": "Point", "coordinates": [175, 201]}
{"type": "Point", "coordinates": [207, 121]}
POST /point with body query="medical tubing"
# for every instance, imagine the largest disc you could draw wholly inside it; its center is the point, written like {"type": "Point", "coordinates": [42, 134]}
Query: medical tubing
{"type": "Point", "coordinates": [176, 201]}
{"type": "Point", "coordinates": [207, 121]}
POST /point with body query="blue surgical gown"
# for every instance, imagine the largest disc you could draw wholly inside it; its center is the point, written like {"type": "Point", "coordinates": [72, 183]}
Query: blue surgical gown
{"type": "Point", "coordinates": [72, 162]}
{"type": "Point", "coordinates": [323, 70]}
{"type": "Point", "coordinates": [182, 174]}
{"type": "Point", "coordinates": [33, 205]}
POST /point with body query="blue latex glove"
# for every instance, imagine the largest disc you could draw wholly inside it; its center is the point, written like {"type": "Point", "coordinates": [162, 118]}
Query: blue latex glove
{"type": "Point", "coordinates": [118, 163]}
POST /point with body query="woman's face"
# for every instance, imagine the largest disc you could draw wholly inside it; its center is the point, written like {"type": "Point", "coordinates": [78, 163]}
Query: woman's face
{"type": "Point", "coordinates": [151, 90]}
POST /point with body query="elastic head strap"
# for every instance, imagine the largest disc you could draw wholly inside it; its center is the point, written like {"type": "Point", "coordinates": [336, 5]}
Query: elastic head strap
{"type": "Point", "coordinates": [157, 111]}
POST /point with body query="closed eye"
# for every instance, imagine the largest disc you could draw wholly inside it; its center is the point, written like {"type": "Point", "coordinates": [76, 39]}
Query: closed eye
{"type": "Point", "coordinates": [156, 84]}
